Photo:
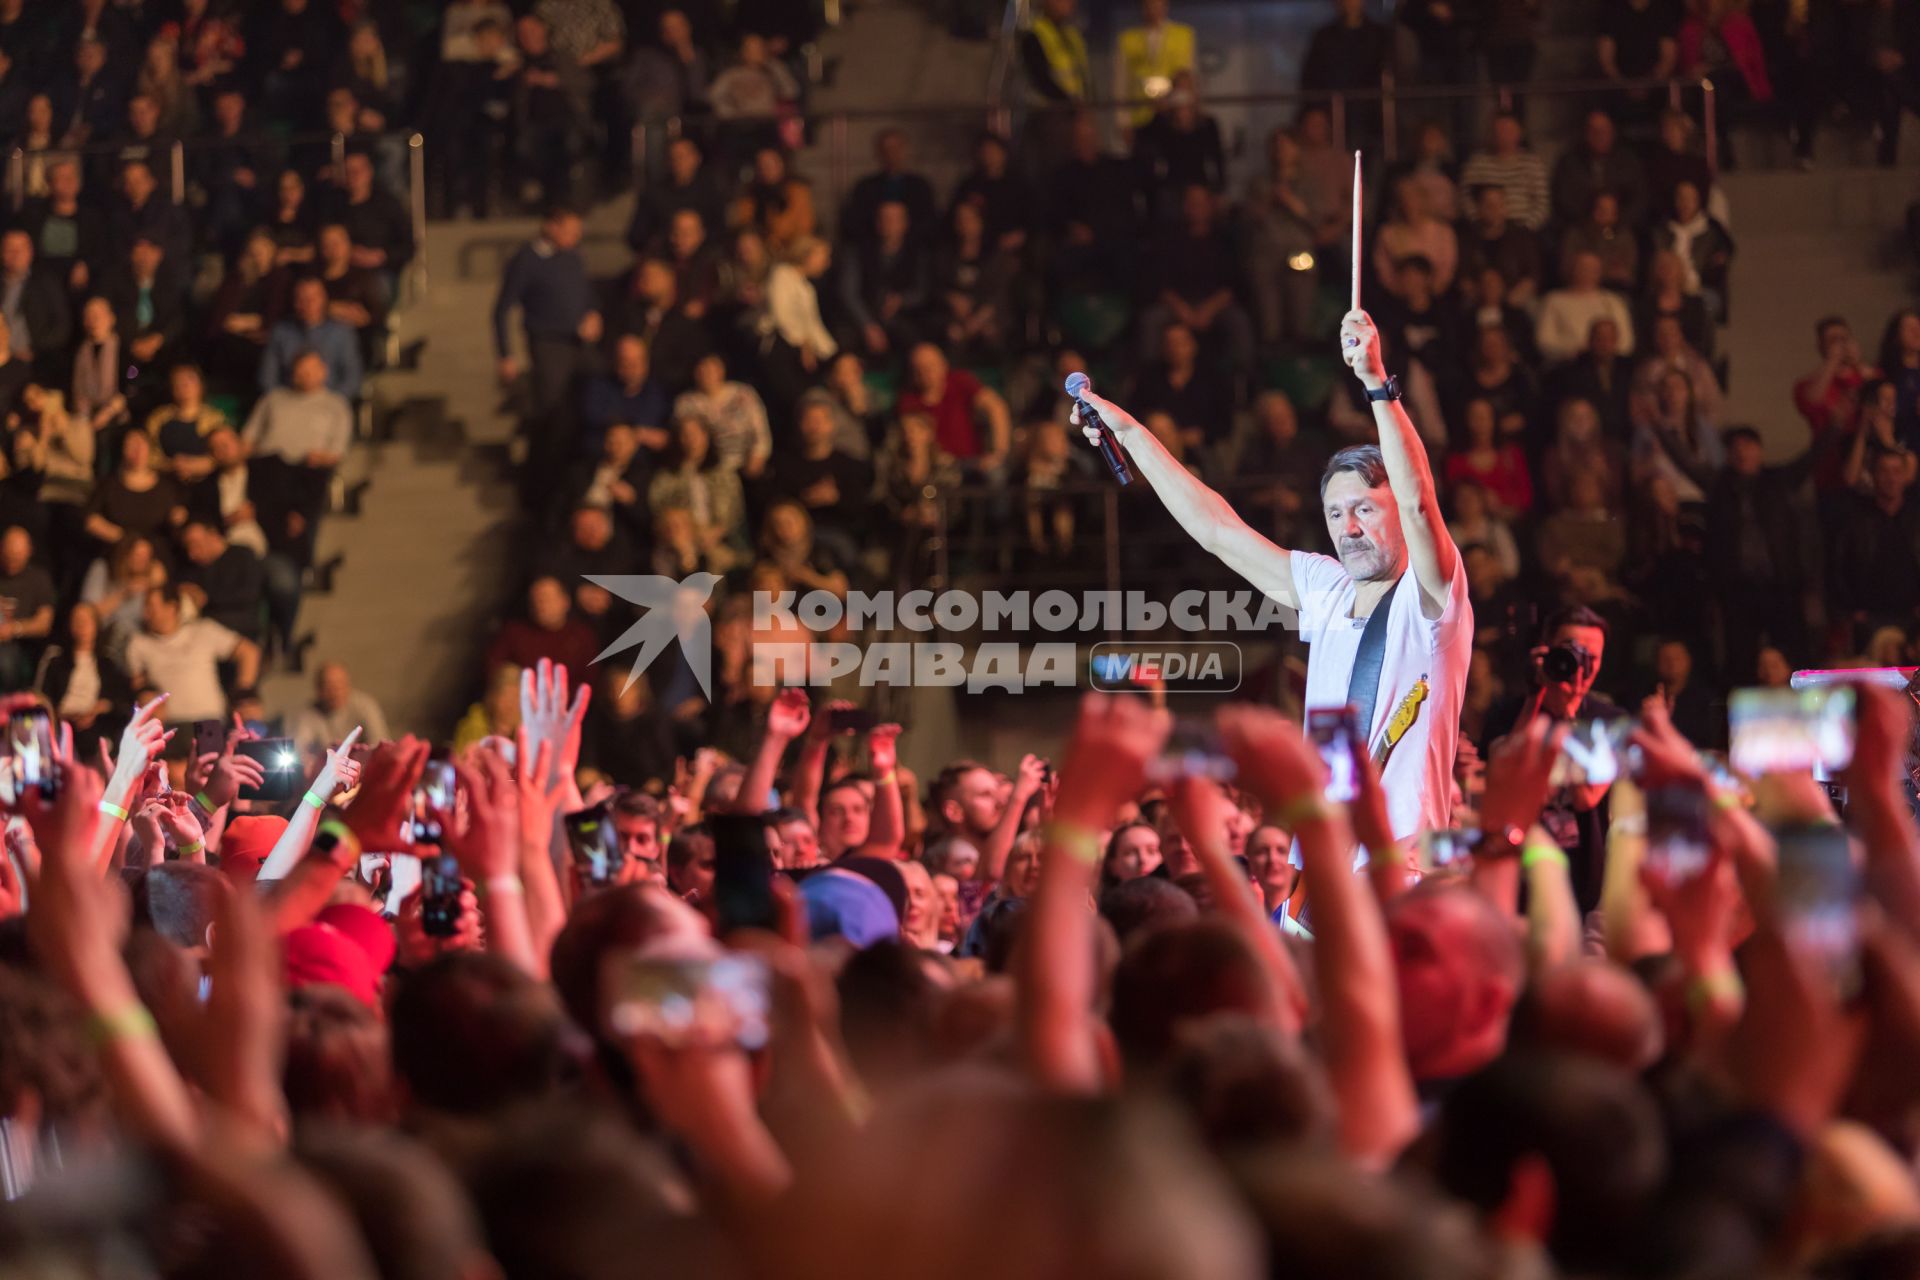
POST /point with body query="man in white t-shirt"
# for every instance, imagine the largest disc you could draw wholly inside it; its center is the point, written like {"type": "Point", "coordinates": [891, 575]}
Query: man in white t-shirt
{"type": "Point", "coordinates": [182, 658]}
{"type": "Point", "coordinates": [1383, 517]}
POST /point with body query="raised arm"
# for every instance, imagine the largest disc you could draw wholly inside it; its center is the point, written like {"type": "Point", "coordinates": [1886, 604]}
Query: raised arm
{"type": "Point", "coordinates": [1429, 546]}
{"type": "Point", "coordinates": [1204, 514]}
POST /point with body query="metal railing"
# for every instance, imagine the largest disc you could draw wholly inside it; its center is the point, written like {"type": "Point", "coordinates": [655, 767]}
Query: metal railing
{"type": "Point", "coordinates": [277, 146]}
{"type": "Point", "coordinates": [831, 130]}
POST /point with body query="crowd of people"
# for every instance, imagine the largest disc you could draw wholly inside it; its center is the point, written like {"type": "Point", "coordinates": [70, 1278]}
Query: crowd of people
{"type": "Point", "coordinates": [709, 977]}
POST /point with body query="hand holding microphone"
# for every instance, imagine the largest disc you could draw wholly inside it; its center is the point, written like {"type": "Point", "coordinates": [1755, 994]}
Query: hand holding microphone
{"type": "Point", "coordinates": [1095, 428]}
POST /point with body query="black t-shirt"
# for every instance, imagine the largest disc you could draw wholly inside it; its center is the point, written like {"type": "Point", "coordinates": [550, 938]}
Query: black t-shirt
{"type": "Point", "coordinates": [1581, 832]}
{"type": "Point", "coordinates": [852, 482]}
{"type": "Point", "coordinates": [1637, 33]}
{"type": "Point", "coordinates": [235, 585]}
{"type": "Point", "coordinates": [25, 593]}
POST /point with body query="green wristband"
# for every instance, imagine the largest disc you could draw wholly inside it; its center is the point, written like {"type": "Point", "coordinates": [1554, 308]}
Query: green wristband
{"type": "Point", "coordinates": [1081, 843]}
{"type": "Point", "coordinates": [1302, 809]}
{"type": "Point", "coordinates": [1535, 854]}
{"type": "Point", "coordinates": [314, 800]}
{"type": "Point", "coordinates": [132, 1022]}
{"type": "Point", "coordinates": [113, 810]}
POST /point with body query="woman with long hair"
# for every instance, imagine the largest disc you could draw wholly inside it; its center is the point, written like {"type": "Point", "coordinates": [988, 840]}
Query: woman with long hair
{"type": "Point", "coordinates": [691, 477]}
{"type": "Point", "coordinates": [87, 687]}
{"type": "Point", "coordinates": [116, 586]}
{"type": "Point", "coordinates": [1900, 362]}
{"type": "Point", "coordinates": [1499, 468]}
{"type": "Point", "coordinates": [786, 539]}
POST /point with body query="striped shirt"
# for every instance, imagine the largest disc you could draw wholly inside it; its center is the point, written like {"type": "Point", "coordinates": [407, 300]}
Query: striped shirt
{"type": "Point", "coordinates": [1522, 176]}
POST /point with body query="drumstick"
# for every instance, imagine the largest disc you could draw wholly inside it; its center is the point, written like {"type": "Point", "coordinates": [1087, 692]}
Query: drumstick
{"type": "Point", "coordinates": [1356, 231]}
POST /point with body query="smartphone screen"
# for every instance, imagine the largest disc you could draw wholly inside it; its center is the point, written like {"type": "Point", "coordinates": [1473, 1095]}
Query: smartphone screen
{"type": "Point", "coordinates": [1593, 753]}
{"type": "Point", "coordinates": [1677, 840]}
{"type": "Point", "coordinates": [1440, 850]}
{"type": "Point", "coordinates": [1335, 733]}
{"type": "Point", "coordinates": [1788, 730]}
{"type": "Point", "coordinates": [279, 765]}
{"type": "Point", "coordinates": [1193, 750]}
{"type": "Point", "coordinates": [691, 1003]}
{"type": "Point", "coordinates": [742, 873]}
{"type": "Point", "coordinates": [440, 890]}
{"type": "Point", "coordinates": [431, 798]}
{"type": "Point", "coordinates": [595, 844]}
{"type": "Point", "coordinates": [30, 743]}
{"type": "Point", "coordinates": [849, 720]}
{"type": "Point", "coordinates": [1819, 888]}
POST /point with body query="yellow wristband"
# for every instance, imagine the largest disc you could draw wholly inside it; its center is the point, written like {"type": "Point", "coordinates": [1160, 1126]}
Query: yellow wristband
{"type": "Point", "coordinates": [205, 801]}
{"type": "Point", "coordinates": [1302, 809]}
{"type": "Point", "coordinates": [1079, 842]}
{"type": "Point", "coordinates": [1726, 800]}
{"type": "Point", "coordinates": [342, 835]}
{"type": "Point", "coordinates": [889, 778]}
{"type": "Point", "coordinates": [1705, 988]}
{"type": "Point", "coordinates": [188, 850]}
{"type": "Point", "coordinates": [113, 810]}
{"type": "Point", "coordinates": [131, 1022]}
{"type": "Point", "coordinates": [1535, 854]}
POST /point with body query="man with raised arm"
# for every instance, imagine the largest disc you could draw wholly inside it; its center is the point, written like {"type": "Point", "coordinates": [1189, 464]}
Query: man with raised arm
{"type": "Point", "coordinates": [1393, 643]}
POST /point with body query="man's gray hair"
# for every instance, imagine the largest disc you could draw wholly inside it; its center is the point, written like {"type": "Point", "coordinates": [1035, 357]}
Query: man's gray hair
{"type": "Point", "coordinates": [1363, 460]}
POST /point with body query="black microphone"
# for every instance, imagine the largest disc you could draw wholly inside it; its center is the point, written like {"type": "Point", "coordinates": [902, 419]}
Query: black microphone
{"type": "Point", "coordinates": [1077, 384]}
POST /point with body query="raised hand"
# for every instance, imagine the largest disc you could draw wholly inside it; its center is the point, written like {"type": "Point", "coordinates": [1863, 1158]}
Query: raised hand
{"type": "Point", "coordinates": [883, 749]}
{"type": "Point", "coordinates": [384, 801]}
{"type": "Point", "coordinates": [1519, 772]}
{"type": "Point", "coordinates": [341, 772]}
{"type": "Point", "coordinates": [1360, 348]}
{"type": "Point", "coordinates": [1122, 424]}
{"type": "Point", "coordinates": [227, 773]}
{"type": "Point", "coordinates": [174, 813]}
{"type": "Point", "coordinates": [548, 716]}
{"type": "Point", "coordinates": [539, 790]}
{"type": "Point", "coordinates": [789, 716]}
{"type": "Point", "coordinates": [140, 745]}
{"type": "Point", "coordinates": [1273, 760]}
{"type": "Point", "coordinates": [415, 946]}
{"type": "Point", "coordinates": [485, 842]}
{"type": "Point", "coordinates": [1114, 739]}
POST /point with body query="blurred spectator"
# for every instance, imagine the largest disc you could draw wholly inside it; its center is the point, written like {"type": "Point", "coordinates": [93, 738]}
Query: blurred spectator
{"type": "Point", "coordinates": [1413, 232]}
{"type": "Point", "coordinates": [143, 212]}
{"type": "Point", "coordinates": [1196, 276]}
{"type": "Point", "coordinates": [1499, 470]}
{"type": "Point", "coordinates": [776, 203]}
{"type": "Point", "coordinates": [1179, 148]}
{"type": "Point", "coordinates": [550, 113]}
{"type": "Point", "coordinates": [1900, 361]}
{"type": "Point", "coordinates": [787, 542]}
{"type": "Point", "coordinates": [181, 427]}
{"type": "Point", "coordinates": [87, 103]}
{"type": "Point", "coordinates": [26, 609]}
{"type": "Point", "coordinates": [1873, 569]}
{"type": "Point", "coordinates": [99, 398]}
{"type": "Point", "coordinates": [691, 476]}
{"type": "Point", "coordinates": [1349, 54]}
{"type": "Point", "coordinates": [1580, 447]}
{"type": "Point", "coordinates": [834, 487]}
{"type": "Point", "coordinates": [1002, 197]}
{"type": "Point", "coordinates": [1702, 245]}
{"type": "Point", "coordinates": [1595, 164]}
{"type": "Point", "coordinates": [1718, 42]}
{"type": "Point", "coordinates": [1147, 58]}
{"type": "Point", "coordinates": [1568, 314]}
{"type": "Point", "coordinates": [695, 263]}
{"type": "Point", "coordinates": [1601, 233]}
{"type": "Point", "coordinates": [547, 282]}
{"type": "Point", "coordinates": [627, 396]}
{"type": "Point", "coordinates": [1281, 236]}
{"type": "Point", "coordinates": [309, 328]}
{"type": "Point", "coordinates": [1053, 53]}
{"type": "Point", "coordinates": [1484, 304]}
{"type": "Point", "coordinates": [1895, 61]}
{"type": "Point", "coordinates": [1474, 524]}
{"type": "Point", "coordinates": [182, 655]}
{"type": "Point", "coordinates": [794, 338]}
{"type": "Point", "coordinates": [648, 307]}
{"type": "Point", "coordinates": [297, 435]}
{"type": "Point", "coordinates": [1764, 550]}
{"type": "Point", "coordinates": [1509, 165]}
{"type": "Point", "coordinates": [245, 309]}
{"type": "Point", "coordinates": [1199, 403]}
{"type": "Point", "coordinates": [892, 182]}
{"type": "Point", "coordinates": [355, 296]}
{"type": "Point", "coordinates": [973, 283]}
{"type": "Point", "coordinates": [886, 283]}
{"type": "Point", "coordinates": [1666, 295]}
{"type": "Point", "coordinates": [1675, 160]}
{"type": "Point", "coordinates": [337, 709]}
{"type": "Point", "coordinates": [1602, 374]}
{"type": "Point", "coordinates": [668, 76]}
{"type": "Point", "coordinates": [83, 684]}
{"type": "Point", "coordinates": [750, 95]}
{"type": "Point", "coordinates": [1675, 439]}
{"type": "Point", "coordinates": [615, 481]}
{"type": "Point", "coordinates": [225, 582]}
{"type": "Point", "coordinates": [1667, 354]}
{"type": "Point", "coordinates": [958, 403]}
{"type": "Point", "coordinates": [34, 304]}
{"type": "Point", "coordinates": [1583, 545]}
{"type": "Point", "coordinates": [690, 183]}
{"type": "Point", "coordinates": [547, 632]}
{"type": "Point", "coordinates": [1494, 240]}
{"type": "Point", "coordinates": [68, 237]}
{"type": "Point", "coordinates": [1637, 42]}
{"type": "Point", "coordinates": [733, 412]}
{"type": "Point", "coordinates": [376, 221]}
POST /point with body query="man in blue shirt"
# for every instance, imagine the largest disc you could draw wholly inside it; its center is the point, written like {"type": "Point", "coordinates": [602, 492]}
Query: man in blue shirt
{"type": "Point", "coordinates": [626, 397]}
{"type": "Point", "coordinates": [547, 281]}
{"type": "Point", "coordinates": [309, 328]}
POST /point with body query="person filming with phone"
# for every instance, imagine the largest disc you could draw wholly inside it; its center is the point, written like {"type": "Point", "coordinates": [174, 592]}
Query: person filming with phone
{"type": "Point", "coordinates": [1388, 625]}
{"type": "Point", "coordinates": [1566, 662]}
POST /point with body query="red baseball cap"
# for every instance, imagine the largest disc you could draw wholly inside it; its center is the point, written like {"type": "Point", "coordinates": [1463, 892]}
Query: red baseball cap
{"type": "Point", "coordinates": [246, 843]}
{"type": "Point", "coordinates": [368, 929]}
{"type": "Point", "coordinates": [316, 953]}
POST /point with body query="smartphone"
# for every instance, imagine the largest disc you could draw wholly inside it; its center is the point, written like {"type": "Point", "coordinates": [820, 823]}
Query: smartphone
{"type": "Point", "coordinates": [1335, 732]}
{"type": "Point", "coordinates": [1193, 750]}
{"type": "Point", "coordinates": [30, 743]}
{"type": "Point", "coordinates": [742, 873]}
{"type": "Point", "coordinates": [440, 890]}
{"type": "Point", "coordinates": [1819, 891]}
{"type": "Point", "coordinates": [691, 1003]}
{"type": "Point", "coordinates": [1442, 850]}
{"type": "Point", "coordinates": [279, 765]}
{"type": "Point", "coordinates": [209, 738]}
{"type": "Point", "coordinates": [595, 845]}
{"type": "Point", "coordinates": [1789, 730]}
{"type": "Point", "coordinates": [1593, 753]}
{"type": "Point", "coordinates": [1677, 840]}
{"type": "Point", "coordinates": [431, 798]}
{"type": "Point", "coordinates": [849, 720]}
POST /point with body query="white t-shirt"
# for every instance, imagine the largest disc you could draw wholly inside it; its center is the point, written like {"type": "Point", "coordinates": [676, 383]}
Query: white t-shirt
{"type": "Point", "coordinates": [186, 665]}
{"type": "Point", "coordinates": [1418, 778]}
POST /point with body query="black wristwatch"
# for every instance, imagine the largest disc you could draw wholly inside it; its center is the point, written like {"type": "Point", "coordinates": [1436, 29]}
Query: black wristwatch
{"type": "Point", "coordinates": [1388, 390]}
